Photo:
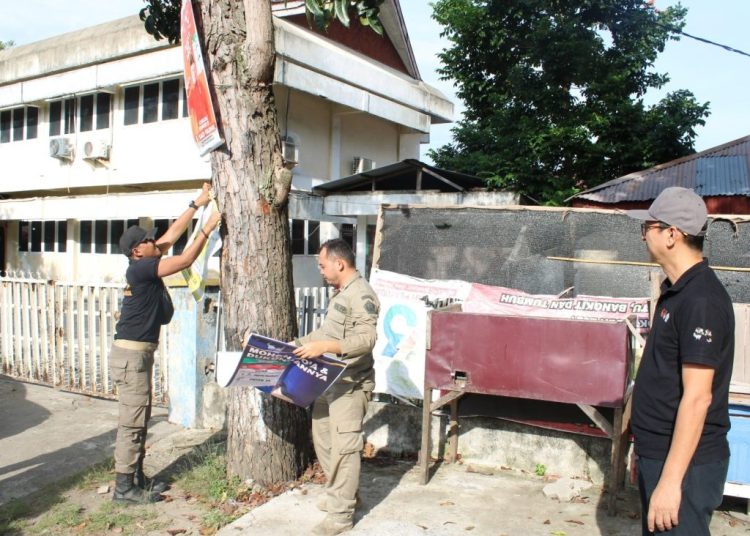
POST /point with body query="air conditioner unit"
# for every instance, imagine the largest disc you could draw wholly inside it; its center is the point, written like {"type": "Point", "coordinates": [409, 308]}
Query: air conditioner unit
{"type": "Point", "coordinates": [289, 151]}
{"type": "Point", "coordinates": [361, 164]}
{"type": "Point", "coordinates": [96, 150]}
{"type": "Point", "coordinates": [61, 148]}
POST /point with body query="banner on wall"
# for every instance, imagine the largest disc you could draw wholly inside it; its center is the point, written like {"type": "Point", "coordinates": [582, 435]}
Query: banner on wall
{"type": "Point", "coordinates": [400, 348]}
{"type": "Point", "coordinates": [199, 104]}
{"type": "Point", "coordinates": [405, 301]}
{"type": "Point", "coordinates": [506, 301]}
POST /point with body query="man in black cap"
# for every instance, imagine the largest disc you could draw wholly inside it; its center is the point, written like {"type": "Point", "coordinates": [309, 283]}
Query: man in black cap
{"type": "Point", "coordinates": [145, 308]}
{"type": "Point", "coordinates": [680, 402]}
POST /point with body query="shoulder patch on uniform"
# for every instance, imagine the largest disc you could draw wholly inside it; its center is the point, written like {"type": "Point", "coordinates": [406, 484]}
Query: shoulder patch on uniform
{"type": "Point", "coordinates": [368, 297]}
{"type": "Point", "coordinates": [370, 307]}
{"type": "Point", "coordinates": [340, 308]}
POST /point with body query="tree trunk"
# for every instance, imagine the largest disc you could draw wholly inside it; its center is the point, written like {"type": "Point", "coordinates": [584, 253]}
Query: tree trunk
{"type": "Point", "coordinates": [268, 439]}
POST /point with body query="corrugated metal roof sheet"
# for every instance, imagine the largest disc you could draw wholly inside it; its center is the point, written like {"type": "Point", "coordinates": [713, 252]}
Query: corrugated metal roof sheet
{"type": "Point", "coordinates": [720, 171]}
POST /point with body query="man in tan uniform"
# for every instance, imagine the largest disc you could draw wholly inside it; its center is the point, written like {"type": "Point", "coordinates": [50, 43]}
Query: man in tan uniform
{"type": "Point", "coordinates": [348, 331]}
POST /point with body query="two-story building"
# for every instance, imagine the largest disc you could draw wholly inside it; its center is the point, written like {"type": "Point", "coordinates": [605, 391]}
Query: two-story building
{"type": "Point", "coordinates": [94, 135]}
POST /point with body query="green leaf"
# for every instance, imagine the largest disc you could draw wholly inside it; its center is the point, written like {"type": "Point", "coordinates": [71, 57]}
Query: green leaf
{"type": "Point", "coordinates": [342, 11]}
{"type": "Point", "coordinates": [313, 7]}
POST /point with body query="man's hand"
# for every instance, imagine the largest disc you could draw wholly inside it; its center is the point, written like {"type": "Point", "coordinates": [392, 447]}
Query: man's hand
{"type": "Point", "coordinates": [664, 507]}
{"type": "Point", "coordinates": [205, 195]}
{"type": "Point", "coordinates": [213, 220]}
{"type": "Point", "coordinates": [314, 349]}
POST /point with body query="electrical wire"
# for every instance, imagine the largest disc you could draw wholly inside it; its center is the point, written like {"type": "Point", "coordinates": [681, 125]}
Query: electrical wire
{"type": "Point", "coordinates": [702, 39]}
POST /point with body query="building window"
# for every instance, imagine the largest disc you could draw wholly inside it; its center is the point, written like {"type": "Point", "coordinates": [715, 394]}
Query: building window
{"type": "Point", "coordinates": [85, 236]}
{"type": "Point", "coordinates": [18, 124]}
{"type": "Point", "coordinates": [36, 236]}
{"type": "Point", "coordinates": [132, 98]}
{"type": "Point", "coordinates": [94, 113]}
{"type": "Point", "coordinates": [5, 121]}
{"type": "Point", "coordinates": [49, 236]}
{"type": "Point", "coordinates": [86, 122]}
{"type": "Point", "coordinates": [62, 117]}
{"type": "Point", "coordinates": [161, 101]}
{"type": "Point", "coordinates": [103, 236]}
{"type": "Point", "coordinates": [55, 116]}
{"type": "Point", "coordinates": [103, 108]}
{"type": "Point", "coordinates": [39, 236]}
{"type": "Point", "coordinates": [150, 103]}
{"type": "Point", "coordinates": [305, 237]}
{"type": "Point", "coordinates": [23, 235]}
{"type": "Point", "coordinates": [32, 122]}
{"type": "Point", "coordinates": [347, 233]}
{"type": "Point", "coordinates": [170, 99]}
{"type": "Point", "coordinates": [69, 117]}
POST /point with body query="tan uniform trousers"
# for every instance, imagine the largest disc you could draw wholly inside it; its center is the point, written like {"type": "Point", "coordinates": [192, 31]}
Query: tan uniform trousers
{"type": "Point", "coordinates": [131, 366]}
{"type": "Point", "coordinates": [337, 436]}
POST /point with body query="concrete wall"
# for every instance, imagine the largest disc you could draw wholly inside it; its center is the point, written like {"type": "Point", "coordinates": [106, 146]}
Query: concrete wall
{"type": "Point", "coordinates": [397, 429]}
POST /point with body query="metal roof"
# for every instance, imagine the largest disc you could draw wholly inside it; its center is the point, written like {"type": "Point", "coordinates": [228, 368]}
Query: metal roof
{"type": "Point", "coordinates": [720, 171]}
{"type": "Point", "coordinates": [404, 175]}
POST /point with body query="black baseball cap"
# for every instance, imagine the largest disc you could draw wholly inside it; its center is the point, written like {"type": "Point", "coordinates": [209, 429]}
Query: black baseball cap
{"type": "Point", "coordinates": [133, 236]}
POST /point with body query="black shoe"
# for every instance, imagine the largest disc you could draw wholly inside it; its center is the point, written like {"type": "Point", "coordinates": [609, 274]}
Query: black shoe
{"type": "Point", "coordinates": [126, 491]}
{"type": "Point", "coordinates": [149, 484]}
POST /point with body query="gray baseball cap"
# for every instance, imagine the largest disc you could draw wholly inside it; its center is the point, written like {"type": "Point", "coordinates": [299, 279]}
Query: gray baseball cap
{"type": "Point", "coordinates": [679, 207]}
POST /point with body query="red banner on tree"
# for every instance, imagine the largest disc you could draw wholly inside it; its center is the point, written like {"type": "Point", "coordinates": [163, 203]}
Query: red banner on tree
{"type": "Point", "coordinates": [200, 107]}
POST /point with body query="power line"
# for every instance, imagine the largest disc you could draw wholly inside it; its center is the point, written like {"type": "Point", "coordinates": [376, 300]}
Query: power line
{"type": "Point", "coordinates": [703, 40]}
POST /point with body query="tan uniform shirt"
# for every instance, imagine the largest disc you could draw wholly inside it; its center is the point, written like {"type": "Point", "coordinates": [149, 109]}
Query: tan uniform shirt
{"type": "Point", "coordinates": [352, 319]}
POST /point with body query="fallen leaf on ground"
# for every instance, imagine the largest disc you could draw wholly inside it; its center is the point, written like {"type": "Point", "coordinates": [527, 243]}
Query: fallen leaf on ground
{"type": "Point", "coordinates": [175, 532]}
{"type": "Point", "coordinates": [547, 522]}
{"type": "Point", "coordinates": [447, 503]}
{"type": "Point", "coordinates": [479, 470]}
{"type": "Point", "coordinates": [574, 521]}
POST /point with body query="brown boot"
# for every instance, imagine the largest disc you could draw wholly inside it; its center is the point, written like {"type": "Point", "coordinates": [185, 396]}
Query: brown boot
{"type": "Point", "coordinates": [126, 491]}
{"type": "Point", "coordinates": [331, 525]}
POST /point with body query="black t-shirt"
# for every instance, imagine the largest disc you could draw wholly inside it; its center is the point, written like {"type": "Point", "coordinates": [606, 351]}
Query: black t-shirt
{"type": "Point", "coordinates": [141, 315]}
{"type": "Point", "coordinates": [693, 323]}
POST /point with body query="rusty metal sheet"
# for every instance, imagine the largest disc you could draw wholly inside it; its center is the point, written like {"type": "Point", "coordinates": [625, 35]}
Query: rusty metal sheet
{"type": "Point", "coordinates": [570, 361]}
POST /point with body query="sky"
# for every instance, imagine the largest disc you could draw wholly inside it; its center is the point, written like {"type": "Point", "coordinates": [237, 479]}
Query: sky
{"type": "Point", "coordinates": [711, 73]}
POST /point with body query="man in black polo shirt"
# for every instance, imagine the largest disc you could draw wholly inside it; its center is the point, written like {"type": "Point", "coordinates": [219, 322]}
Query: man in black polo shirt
{"type": "Point", "coordinates": [680, 403]}
{"type": "Point", "coordinates": [145, 308]}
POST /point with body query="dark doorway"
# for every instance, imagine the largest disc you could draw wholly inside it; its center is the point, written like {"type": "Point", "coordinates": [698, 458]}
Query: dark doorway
{"type": "Point", "coordinates": [2, 249]}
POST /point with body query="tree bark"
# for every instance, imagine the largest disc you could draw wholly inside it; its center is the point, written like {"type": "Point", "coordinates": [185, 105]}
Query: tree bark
{"type": "Point", "coordinates": [268, 439]}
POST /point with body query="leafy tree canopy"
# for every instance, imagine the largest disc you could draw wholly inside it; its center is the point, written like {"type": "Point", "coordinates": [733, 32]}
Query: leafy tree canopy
{"type": "Point", "coordinates": [6, 44]}
{"type": "Point", "coordinates": [554, 92]}
{"type": "Point", "coordinates": [162, 17]}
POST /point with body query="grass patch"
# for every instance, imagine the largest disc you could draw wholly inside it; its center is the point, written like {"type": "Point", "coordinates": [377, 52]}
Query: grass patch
{"type": "Point", "coordinates": [205, 475]}
{"type": "Point", "coordinates": [58, 509]}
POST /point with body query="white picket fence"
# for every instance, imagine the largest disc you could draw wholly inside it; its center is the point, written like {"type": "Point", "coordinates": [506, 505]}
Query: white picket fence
{"type": "Point", "coordinates": [59, 333]}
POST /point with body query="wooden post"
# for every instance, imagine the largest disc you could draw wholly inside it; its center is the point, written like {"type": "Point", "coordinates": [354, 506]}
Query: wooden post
{"type": "Point", "coordinates": [424, 453]}
{"type": "Point", "coordinates": [453, 432]}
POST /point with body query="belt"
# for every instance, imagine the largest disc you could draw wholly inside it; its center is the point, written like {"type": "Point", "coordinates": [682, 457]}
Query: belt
{"type": "Point", "coordinates": [134, 345]}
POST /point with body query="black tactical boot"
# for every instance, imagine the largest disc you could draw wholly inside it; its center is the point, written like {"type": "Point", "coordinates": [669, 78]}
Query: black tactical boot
{"type": "Point", "coordinates": [148, 484]}
{"type": "Point", "coordinates": [127, 491]}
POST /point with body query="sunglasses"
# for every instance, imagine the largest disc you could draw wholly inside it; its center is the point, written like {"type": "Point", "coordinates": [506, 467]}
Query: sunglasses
{"type": "Point", "coordinates": [645, 226]}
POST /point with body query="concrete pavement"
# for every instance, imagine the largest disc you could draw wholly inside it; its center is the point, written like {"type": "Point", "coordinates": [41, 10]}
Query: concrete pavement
{"type": "Point", "coordinates": [47, 434]}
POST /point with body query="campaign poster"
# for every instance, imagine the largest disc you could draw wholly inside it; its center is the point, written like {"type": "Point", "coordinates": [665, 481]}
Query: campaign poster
{"type": "Point", "coordinates": [199, 104]}
{"type": "Point", "coordinates": [400, 347]}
